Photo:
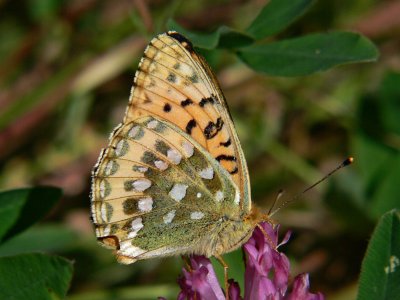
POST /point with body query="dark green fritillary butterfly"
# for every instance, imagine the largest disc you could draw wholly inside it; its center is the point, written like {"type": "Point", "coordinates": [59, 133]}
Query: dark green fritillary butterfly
{"type": "Point", "coordinates": [173, 179]}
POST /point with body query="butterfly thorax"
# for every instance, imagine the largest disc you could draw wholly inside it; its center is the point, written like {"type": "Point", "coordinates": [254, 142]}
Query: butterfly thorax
{"type": "Point", "coordinates": [235, 230]}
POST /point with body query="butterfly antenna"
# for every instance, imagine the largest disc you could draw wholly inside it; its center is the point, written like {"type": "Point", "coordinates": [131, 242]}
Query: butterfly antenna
{"type": "Point", "coordinates": [345, 163]}
{"type": "Point", "coordinates": [278, 196]}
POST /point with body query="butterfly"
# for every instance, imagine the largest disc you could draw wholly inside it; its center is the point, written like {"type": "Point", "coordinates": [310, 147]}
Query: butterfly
{"type": "Point", "coordinates": [173, 179]}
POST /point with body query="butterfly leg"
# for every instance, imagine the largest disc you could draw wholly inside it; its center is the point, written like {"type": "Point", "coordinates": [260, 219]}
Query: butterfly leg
{"type": "Point", "coordinates": [225, 265]}
{"type": "Point", "coordinates": [186, 261]}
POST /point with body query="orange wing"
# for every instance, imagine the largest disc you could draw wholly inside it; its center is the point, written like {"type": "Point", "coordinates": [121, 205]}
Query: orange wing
{"type": "Point", "coordinates": [174, 83]}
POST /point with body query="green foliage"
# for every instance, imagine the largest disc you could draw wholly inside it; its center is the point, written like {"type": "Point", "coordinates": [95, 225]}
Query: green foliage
{"type": "Point", "coordinates": [359, 200]}
{"type": "Point", "coordinates": [20, 208]}
{"type": "Point", "coordinates": [308, 54]}
{"type": "Point", "coordinates": [276, 16]}
{"type": "Point", "coordinates": [30, 275]}
{"type": "Point", "coordinates": [389, 94]}
{"type": "Point", "coordinates": [375, 143]}
{"type": "Point", "coordinates": [223, 37]}
{"type": "Point", "coordinates": [34, 276]}
{"type": "Point", "coordinates": [44, 9]}
{"type": "Point", "coordinates": [380, 274]}
{"type": "Point", "coordinates": [346, 200]}
{"type": "Point", "coordinates": [49, 238]}
{"type": "Point", "coordinates": [292, 57]}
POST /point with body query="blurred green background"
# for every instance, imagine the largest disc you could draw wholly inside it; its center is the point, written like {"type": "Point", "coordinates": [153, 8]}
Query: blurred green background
{"type": "Point", "coordinates": [66, 69]}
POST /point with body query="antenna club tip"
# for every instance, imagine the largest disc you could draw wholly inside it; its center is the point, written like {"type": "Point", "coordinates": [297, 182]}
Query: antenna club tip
{"type": "Point", "coordinates": [348, 161]}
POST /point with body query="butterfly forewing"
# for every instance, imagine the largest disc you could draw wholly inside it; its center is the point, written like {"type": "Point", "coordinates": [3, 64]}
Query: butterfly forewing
{"type": "Point", "coordinates": [175, 84]}
{"type": "Point", "coordinates": [156, 192]}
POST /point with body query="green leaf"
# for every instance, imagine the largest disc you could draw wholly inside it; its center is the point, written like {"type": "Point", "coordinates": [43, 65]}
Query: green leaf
{"type": "Point", "coordinates": [223, 37]}
{"type": "Point", "coordinates": [201, 40]}
{"type": "Point", "coordinates": [308, 54]}
{"type": "Point", "coordinates": [231, 38]}
{"type": "Point", "coordinates": [380, 272]}
{"type": "Point", "coordinates": [277, 15]}
{"type": "Point", "coordinates": [40, 238]}
{"type": "Point", "coordinates": [34, 276]}
{"type": "Point", "coordinates": [20, 208]}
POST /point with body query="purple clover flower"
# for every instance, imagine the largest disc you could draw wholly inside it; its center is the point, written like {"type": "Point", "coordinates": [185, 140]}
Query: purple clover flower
{"type": "Point", "coordinates": [266, 274]}
{"type": "Point", "coordinates": [200, 280]}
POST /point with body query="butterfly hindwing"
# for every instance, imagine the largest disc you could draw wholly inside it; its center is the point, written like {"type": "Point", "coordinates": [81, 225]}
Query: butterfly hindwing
{"type": "Point", "coordinates": [156, 191]}
{"type": "Point", "coordinates": [175, 84]}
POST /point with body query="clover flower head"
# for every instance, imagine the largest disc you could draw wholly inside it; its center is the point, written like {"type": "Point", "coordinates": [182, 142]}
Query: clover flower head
{"type": "Point", "coordinates": [266, 273]}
